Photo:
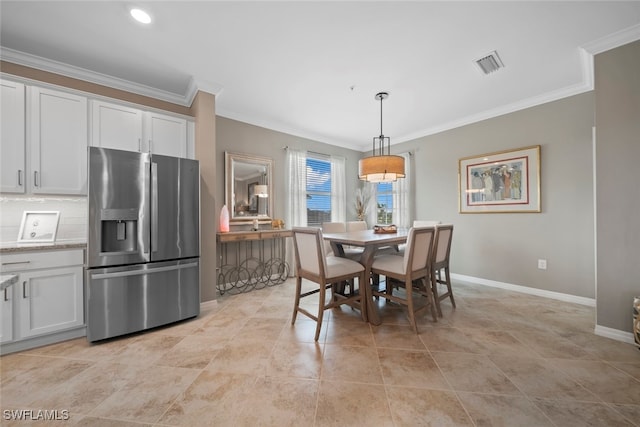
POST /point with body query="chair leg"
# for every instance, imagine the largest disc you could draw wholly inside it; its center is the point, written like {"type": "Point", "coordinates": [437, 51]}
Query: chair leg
{"type": "Point", "coordinates": [296, 304]}
{"type": "Point", "coordinates": [388, 284]}
{"type": "Point", "coordinates": [448, 282]}
{"type": "Point", "coordinates": [431, 301]}
{"type": "Point", "coordinates": [375, 279]}
{"type": "Point", "coordinates": [336, 288]}
{"type": "Point", "coordinates": [412, 314]}
{"type": "Point", "coordinates": [434, 290]}
{"type": "Point", "coordinates": [362, 282]}
{"type": "Point", "coordinates": [321, 304]}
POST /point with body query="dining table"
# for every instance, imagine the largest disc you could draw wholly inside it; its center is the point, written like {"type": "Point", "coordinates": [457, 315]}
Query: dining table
{"type": "Point", "coordinates": [371, 242]}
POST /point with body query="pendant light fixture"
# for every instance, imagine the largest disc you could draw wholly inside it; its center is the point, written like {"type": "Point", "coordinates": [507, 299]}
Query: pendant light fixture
{"type": "Point", "coordinates": [381, 167]}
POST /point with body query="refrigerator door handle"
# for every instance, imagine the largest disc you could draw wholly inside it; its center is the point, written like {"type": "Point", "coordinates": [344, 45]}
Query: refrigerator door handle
{"type": "Point", "coordinates": [154, 207]}
{"type": "Point", "coordinates": [101, 276]}
{"type": "Point", "coordinates": [144, 235]}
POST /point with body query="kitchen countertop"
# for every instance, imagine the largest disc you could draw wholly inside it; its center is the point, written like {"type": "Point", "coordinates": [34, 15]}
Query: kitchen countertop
{"type": "Point", "coordinates": [7, 280]}
{"type": "Point", "coordinates": [14, 247]}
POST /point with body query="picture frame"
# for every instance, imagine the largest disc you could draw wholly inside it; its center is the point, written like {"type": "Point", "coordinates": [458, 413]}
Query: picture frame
{"type": "Point", "coordinates": [501, 182]}
{"type": "Point", "coordinates": [38, 227]}
{"type": "Point", "coordinates": [253, 199]}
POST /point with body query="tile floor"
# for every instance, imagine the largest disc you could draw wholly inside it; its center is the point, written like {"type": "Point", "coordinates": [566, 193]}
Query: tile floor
{"type": "Point", "coordinates": [499, 359]}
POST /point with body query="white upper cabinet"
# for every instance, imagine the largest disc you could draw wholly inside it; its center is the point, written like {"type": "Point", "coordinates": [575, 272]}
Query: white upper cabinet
{"type": "Point", "coordinates": [44, 134]}
{"type": "Point", "coordinates": [116, 126]}
{"type": "Point", "coordinates": [57, 142]}
{"type": "Point", "coordinates": [131, 129]}
{"type": "Point", "coordinates": [12, 137]}
{"type": "Point", "coordinates": [166, 135]}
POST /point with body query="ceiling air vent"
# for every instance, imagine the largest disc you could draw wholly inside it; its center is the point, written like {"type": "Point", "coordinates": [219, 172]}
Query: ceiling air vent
{"type": "Point", "coordinates": [490, 63]}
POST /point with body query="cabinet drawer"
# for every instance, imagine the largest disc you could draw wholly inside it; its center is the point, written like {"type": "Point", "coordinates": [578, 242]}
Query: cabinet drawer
{"type": "Point", "coordinates": [36, 260]}
{"type": "Point", "coordinates": [238, 236]}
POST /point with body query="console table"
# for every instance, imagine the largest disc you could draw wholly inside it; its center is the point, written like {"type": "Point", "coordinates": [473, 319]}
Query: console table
{"type": "Point", "coordinates": [251, 260]}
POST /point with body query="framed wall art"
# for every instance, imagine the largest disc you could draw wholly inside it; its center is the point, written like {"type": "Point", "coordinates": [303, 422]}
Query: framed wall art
{"type": "Point", "coordinates": [38, 226]}
{"type": "Point", "coordinates": [501, 182]}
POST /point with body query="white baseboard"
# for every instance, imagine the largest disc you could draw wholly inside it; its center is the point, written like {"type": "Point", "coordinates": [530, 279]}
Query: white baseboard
{"type": "Point", "coordinates": [614, 334]}
{"type": "Point", "coordinates": [591, 302]}
{"type": "Point", "coordinates": [42, 340]}
{"type": "Point", "coordinates": [602, 331]}
{"type": "Point", "coordinates": [208, 304]}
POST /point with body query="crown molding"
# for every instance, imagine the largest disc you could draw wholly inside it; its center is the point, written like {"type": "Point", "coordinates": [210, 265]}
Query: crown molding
{"type": "Point", "coordinates": [71, 71]}
{"type": "Point", "coordinates": [586, 52]}
{"type": "Point", "coordinates": [280, 127]}
{"type": "Point", "coordinates": [613, 40]}
{"type": "Point", "coordinates": [576, 89]}
{"type": "Point", "coordinates": [196, 86]}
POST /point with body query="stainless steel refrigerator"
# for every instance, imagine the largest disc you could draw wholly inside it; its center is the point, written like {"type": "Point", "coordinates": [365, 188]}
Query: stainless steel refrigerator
{"type": "Point", "coordinates": [143, 242]}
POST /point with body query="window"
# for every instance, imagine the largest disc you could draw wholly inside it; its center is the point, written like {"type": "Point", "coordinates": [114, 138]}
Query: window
{"type": "Point", "coordinates": [384, 203]}
{"type": "Point", "coordinates": [315, 188]}
{"type": "Point", "coordinates": [318, 191]}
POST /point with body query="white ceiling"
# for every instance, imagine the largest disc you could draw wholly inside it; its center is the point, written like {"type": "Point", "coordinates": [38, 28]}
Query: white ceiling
{"type": "Point", "coordinates": [312, 68]}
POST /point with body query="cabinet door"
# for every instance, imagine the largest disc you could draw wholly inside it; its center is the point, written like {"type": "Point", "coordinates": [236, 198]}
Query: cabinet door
{"type": "Point", "coordinates": [49, 300]}
{"type": "Point", "coordinates": [166, 135]}
{"type": "Point", "coordinates": [58, 142]}
{"type": "Point", "coordinates": [12, 142]}
{"type": "Point", "coordinates": [116, 126]}
{"type": "Point", "coordinates": [6, 315]}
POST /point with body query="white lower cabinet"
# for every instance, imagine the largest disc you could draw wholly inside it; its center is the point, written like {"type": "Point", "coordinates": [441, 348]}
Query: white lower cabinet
{"type": "Point", "coordinates": [50, 301]}
{"type": "Point", "coordinates": [46, 302]}
{"type": "Point", "coordinates": [6, 315]}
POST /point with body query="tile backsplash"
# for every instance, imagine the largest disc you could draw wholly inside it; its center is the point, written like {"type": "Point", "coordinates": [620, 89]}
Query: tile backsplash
{"type": "Point", "coordinates": [73, 215]}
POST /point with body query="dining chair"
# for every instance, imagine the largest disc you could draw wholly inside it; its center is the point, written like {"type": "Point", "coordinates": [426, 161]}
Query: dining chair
{"type": "Point", "coordinates": [356, 225]}
{"type": "Point", "coordinates": [332, 227]}
{"type": "Point", "coordinates": [425, 223]}
{"type": "Point", "coordinates": [442, 249]}
{"type": "Point", "coordinates": [355, 252]}
{"type": "Point", "coordinates": [327, 272]}
{"type": "Point", "coordinates": [350, 252]}
{"type": "Point", "coordinates": [412, 271]}
{"type": "Point", "coordinates": [418, 223]}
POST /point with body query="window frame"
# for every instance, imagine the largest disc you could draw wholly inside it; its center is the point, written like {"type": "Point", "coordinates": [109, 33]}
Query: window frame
{"type": "Point", "coordinates": [314, 157]}
{"type": "Point", "coordinates": [384, 217]}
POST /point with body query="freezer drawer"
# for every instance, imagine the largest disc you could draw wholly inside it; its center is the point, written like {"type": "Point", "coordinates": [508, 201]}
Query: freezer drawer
{"type": "Point", "coordinates": [121, 300]}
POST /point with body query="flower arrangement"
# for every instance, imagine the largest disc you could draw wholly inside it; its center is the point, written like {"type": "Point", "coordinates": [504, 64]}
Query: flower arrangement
{"type": "Point", "coordinates": [362, 203]}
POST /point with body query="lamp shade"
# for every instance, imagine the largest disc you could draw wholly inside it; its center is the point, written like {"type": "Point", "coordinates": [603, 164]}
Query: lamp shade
{"type": "Point", "coordinates": [261, 190]}
{"type": "Point", "coordinates": [381, 168]}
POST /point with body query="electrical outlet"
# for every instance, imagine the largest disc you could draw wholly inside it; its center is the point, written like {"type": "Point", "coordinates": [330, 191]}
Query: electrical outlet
{"type": "Point", "coordinates": [542, 264]}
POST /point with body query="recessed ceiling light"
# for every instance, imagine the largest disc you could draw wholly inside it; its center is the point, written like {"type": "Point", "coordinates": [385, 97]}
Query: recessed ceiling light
{"type": "Point", "coordinates": [140, 16]}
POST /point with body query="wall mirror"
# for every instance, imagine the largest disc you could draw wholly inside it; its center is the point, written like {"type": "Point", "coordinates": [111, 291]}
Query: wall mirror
{"type": "Point", "coordinates": [248, 187]}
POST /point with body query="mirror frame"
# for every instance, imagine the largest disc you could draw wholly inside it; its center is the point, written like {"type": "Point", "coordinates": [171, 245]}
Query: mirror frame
{"type": "Point", "coordinates": [229, 179]}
